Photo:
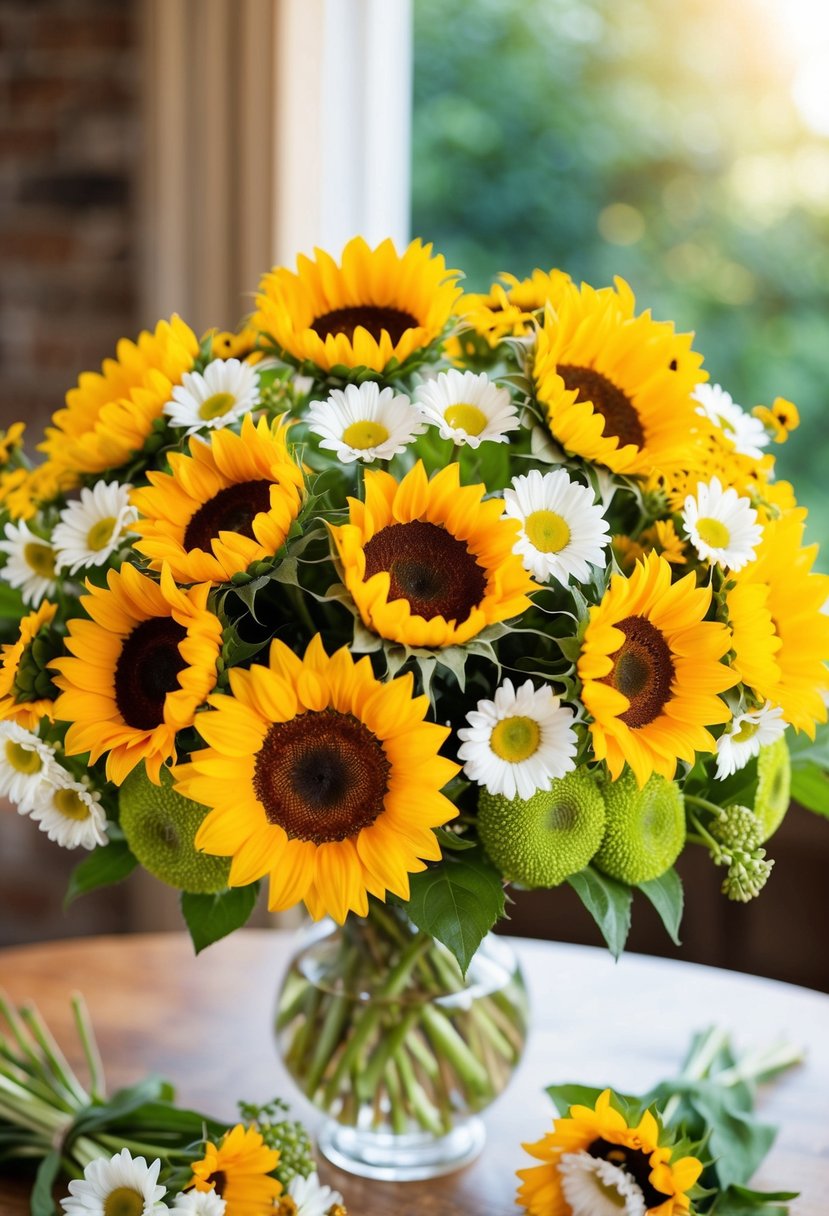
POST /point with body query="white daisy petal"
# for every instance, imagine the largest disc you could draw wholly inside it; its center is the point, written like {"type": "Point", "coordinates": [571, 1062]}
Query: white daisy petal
{"type": "Point", "coordinates": [69, 812]}
{"type": "Point", "coordinates": [200, 1203]}
{"type": "Point", "coordinates": [595, 1187]}
{"type": "Point", "coordinates": [31, 563]}
{"type": "Point", "coordinates": [518, 742]}
{"type": "Point", "coordinates": [745, 735]}
{"type": "Point", "coordinates": [467, 408]}
{"type": "Point", "coordinates": [746, 432]}
{"type": "Point", "coordinates": [105, 1177]}
{"type": "Point", "coordinates": [92, 528]}
{"type": "Point", "coordinates": [360, 422]}
{"type": "Point", "coordinates": [25, 763]}
{"type": "Point", "coordinates": [563, 531]}
{"type": "Point", "coordinates": [721, 525]}
{"type": "Point", "coordinates": [223, 393]}
{"type": "Point", "coordinates": [311, 1197]}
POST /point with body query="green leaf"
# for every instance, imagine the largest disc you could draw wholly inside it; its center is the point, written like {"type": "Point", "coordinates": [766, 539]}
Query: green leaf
{"type": "Point", "coordinates": [104, 866]}
{"type": "Point", "coordinates": [666, 895]}
{"type": "Point", "coordinates": [457, 902]}
{"type": "Point", "coordinates": [739, 1201]}
{"type": "Point", "coordinates": [41, 1201]}
{"type": "Point", "coordinates": [738, 1140]}
{"type": "Point", "coordinates": [126, 1102]}
{"type": "Point", "coordinates": [810, 788]}
{"type": "Point", "coordinates": [11, 603]}
{"type": "Point", "coordinates": [210, 917]}
{"type": "Point", "coordinates": [608, 902]}
{"type": "Point", "coordinates": [451, 840]}
{"type": "Point", "coordinates": [805, 751]}
{"type": "Point", "coordinates": [567, 1095]}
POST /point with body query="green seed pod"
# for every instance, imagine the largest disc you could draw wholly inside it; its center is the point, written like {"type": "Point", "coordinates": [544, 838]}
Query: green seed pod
{"type": "Point", "coordinates": [774, 786]}
{"type": "Point", "coordinates": [645, 828]}
{"type": "Point", "coordinates": [542, 840]}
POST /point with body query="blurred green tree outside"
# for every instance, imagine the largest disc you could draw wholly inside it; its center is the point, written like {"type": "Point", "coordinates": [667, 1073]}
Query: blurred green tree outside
{"type": "Point", "coordinates": [659, 140]}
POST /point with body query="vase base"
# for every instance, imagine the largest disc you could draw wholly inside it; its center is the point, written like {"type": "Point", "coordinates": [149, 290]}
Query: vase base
{"type": "Point", "coordinates": [407, 1158]}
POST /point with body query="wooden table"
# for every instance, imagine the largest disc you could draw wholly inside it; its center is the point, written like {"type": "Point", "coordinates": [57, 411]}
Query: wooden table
{"type": "Point", "coordinates": [206, 1025]}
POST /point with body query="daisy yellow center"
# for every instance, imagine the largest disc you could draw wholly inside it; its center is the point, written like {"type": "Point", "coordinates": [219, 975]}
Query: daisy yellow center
{"type": "Point", "coordinates": [746, 731]}
{"type": "Point", "coordinates": [548, 531]}
{"type": "Point", "coordinates": [635, 1162]}
{"type": "Point", "coordinates": [364, 435]}
{"type": "Point", "coordinates": [40, 558]}
{"type": "Point", "coordinates": [100, 534]}
{"type": "Point", "coordinates": [70, 804]}
{"type": "Point", "coordinates": [515, 739]}
{"type": "Point", "coordinates": [621, 420]}
{"type": "Point", "coordinates": [23, 759]}
{"type": "Point", "coordinates": [147, 671]}
{"type": "Point", "coordinates": [713, 532]}
{"type": "Point", "coordinates": [322, 776]}
{"type": "Point", "coordinates": [371, 317]}
{"type": "Point", "coordinates": [124, 1201]}
{"type": "Point", "coordinates": [216, 405]}
{"type": "Point", "coordinates": [642, 671]}
{"type": "Point", "coordinates": [428, 567]}
{"type": "Point", "coordinates": [231, 510]}
{"type": "Point", "coordinates": [466, 417]}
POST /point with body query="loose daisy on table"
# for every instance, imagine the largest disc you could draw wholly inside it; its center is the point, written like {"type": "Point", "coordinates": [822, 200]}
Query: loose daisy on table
{"type": "Point", "coordinates": [594, 1164]}
{"type": "Point", "coordinates": [121, 1186]}
{"type": "Point", "coordinates": [721, 525]}
{"type": "Point", "coordinates": [91, 529]}
{"type": "Point", "coordinates": [745, 735]}
{"type": "Point", "coordinates": [563, 532]}
{"type": "Point", "coordinates": [746, 432]}
{"type": "Point", "coordinates": [25, 763]}
{"type": "Point", "coordinates": [30, 563]}
{"type": "Point", "coordinates": [518, 742]}
{"type": "Point", "coordinates": [223, 393]}
{"type": "Point", "coordinates": [467, 408]}
{"type": "Point", "coordinates": [308, 1197]}
{"type": "Point", "coordinates": [68, 811]}
{"type": "Point", "coordinates": [361, 422]}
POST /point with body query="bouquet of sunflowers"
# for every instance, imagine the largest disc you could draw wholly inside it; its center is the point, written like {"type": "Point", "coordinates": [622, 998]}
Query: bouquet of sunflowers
{"type": "Point", "coordinates": [394, 597]}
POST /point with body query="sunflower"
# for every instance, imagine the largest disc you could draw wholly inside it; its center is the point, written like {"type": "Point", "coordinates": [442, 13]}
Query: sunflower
{"type": "Point", "coordinates": [139, 670]}
{"type": "Point", "coordinates": [11, 440]}
{"type": "Point", "coordinates": [375, 310]}
{"type": "Point", "coordinates": [110, 414]}
{"type": "Point", "coordinates": [651, 671]}
{"type": "Point", "coordinates": [780, 633]}
{"type": "Point", "coordinates": [229, 503]}
{"type": "Point", "coordinates": [24, 491]}
{"type": "Point", "coordinates": [322, 777]}
{"type": "Point", "coordinates": [593, 1154]}
{"type": "Point", "coordinates": [606, 382]}
{"type": "Point", "coordinates": [239, 1170]}
{"type": "Point", "coordinates": [429, 563]}
{"type": "Point", "coordinates": [27, 693]}
{"type": "Point", "coordinates": [511, 306]}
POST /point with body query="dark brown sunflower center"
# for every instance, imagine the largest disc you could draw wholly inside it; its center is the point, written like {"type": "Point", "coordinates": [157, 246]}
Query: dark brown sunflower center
{"type": "Point", "coordinates": [219, 1180]}
{"type": "Point", "coordinates": [231, 510]}
{"type": "Point", "coordinates": [429, 567]}
{"type": "Point", "coordinates": [371, 316]}
{"type": "Point", "coordinates": [634, 1162]}
{"type": "Point", "coordinates": [147, 670]}
{"type": "Point", "coordinates": [322, 776]}
{"type": "Point", "coordinates": [620, 417]}
{"type": "Point", "coordinates": [642, 671]}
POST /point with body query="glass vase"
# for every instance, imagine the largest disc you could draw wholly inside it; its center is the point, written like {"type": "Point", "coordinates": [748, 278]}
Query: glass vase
{"type": "Point", "coordinates": [381, 1031]}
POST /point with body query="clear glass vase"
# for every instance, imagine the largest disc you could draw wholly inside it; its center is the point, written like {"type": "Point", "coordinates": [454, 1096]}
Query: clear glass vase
{"type": "Point", "coordinates": [380, 1030]}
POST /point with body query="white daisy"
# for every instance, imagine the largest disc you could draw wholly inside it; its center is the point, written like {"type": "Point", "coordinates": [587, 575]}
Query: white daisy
{"type": "Point", "coordinates": [517, 743]}
{"type": "Point", "coordinates": [360, 422]}
{"type": "Point", "coordinates": [721, 526]}
{"type": "Point", "coordinates": [746, 432]}
{"type": "Point", "coordinates": [68, 812]}
{"type": "Point", "coordinates": [31, 563]}
{"type": "Point", "coordinates": [311, 1197]}
{"type": "Point", "coordinates": [467, 408]}
{"type": "Point", "coordinates": [25, 762]}
{"type": "Point", "coordinates": [92, 528]}
{"type": "Point", "coordinates": [199, 1203]}
{"type": "Point", "coordinates": [595, 1187]}
{"type": "Point", "coordinates": [117, 1186]}
{"type": "Point", "coordinates": [746, 734]}
{"type": "Point", "coordinates": [218, 396]}
{"type": "Point", "coordinates": [563, 532]}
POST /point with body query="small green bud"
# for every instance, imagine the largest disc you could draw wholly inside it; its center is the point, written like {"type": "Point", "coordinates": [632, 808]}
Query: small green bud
{"type": "Point", "coordinates": [747, 874]}
{"type": "Point", "coordinates": [737, 827]}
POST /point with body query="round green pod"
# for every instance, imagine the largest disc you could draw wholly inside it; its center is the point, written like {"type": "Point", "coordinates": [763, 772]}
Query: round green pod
{"type": "Point", "coordinates": [542, 840]}
{"type": "Point", "coordinates": [774, 786]}
{"type": "Point", "coordinates": [645, 828]}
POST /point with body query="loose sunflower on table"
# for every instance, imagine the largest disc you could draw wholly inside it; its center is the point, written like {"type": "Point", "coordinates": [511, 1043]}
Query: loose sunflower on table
{"type": "Point", "coordinates": [398, 581]}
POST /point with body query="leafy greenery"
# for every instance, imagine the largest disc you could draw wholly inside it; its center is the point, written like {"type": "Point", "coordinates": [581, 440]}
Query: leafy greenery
{"type": "Point", "coordinates": [608, 902]}
{"type": "Point", "coordinates": [211, 917]}
{"type": "Point", "coordinates": [457, 903]}
{"type": "Point", "coordinates": [106, 865]}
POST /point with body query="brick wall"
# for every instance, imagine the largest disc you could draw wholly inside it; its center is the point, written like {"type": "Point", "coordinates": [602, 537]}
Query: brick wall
{"type": "Point", "coordinates": [69, 149]}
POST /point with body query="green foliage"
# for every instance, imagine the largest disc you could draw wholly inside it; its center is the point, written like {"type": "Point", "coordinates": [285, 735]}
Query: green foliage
{"type": "Point", "coordinates": [608, 902]}
{"type": "Point", "coordinates": [210, 917]}
{"type": "Point", "coordinates": [106, 865]}
{"type": "Point", "coordinates": [457, 903]}
{"type": "Point", "coordinates": [666, 895]}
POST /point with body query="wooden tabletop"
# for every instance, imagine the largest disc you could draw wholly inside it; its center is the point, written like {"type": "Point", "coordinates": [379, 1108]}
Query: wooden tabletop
{"type": "Point", "coordinates": [206, 1025]}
